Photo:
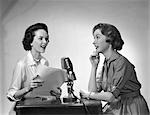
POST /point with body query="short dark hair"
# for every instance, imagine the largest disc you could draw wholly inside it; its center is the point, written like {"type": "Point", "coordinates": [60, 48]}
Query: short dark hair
{"type": "Point", "coordinates": [113, 34]}
{"type": "Point", "coordinates": [30, 33]}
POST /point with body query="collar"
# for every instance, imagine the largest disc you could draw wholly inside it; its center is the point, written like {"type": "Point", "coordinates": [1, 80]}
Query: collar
{"type": "Point", "coordinates": [114, 56]}
{"type": "Point", "coordinates": [31, 61]}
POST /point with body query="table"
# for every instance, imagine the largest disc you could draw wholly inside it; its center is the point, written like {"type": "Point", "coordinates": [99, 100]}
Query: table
{"type": "Point", "coordinates": [38, 106]}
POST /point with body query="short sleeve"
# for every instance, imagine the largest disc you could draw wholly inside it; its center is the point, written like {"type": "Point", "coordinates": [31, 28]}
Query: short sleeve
{"type": "Point", "coordinates": [121, 76]}
{"type": "Point", "coordinates": [18, 74]}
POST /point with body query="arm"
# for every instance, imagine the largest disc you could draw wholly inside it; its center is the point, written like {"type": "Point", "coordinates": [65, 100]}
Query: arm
{"type": "Point", "coordinates": [20, 93]}
{"type": "Point", "coordinates": [15, 92]}
{"type": "Point", "coordinates": [92, 86]}
{"type": "Point", "coordinates": [121, 75]}
{"type": "Point", "coordinates": [34, 83]}
{"type": "Point", "coordinates": [105, 96]}
{"type": "Point", "coordinates": [18, 74]}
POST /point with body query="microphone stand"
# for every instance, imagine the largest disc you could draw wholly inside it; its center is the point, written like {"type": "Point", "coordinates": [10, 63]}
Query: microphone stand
{"type": "Point", "coordinates": [71, 97]}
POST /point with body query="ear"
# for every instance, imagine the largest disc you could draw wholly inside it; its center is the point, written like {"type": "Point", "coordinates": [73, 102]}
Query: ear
{"type": "Point", "coordinates": [108, 40]}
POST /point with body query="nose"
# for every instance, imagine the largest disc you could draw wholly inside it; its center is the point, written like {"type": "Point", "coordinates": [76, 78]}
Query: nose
{"type": "Point", "coordinates": [94, 42]}
{"type": "Point", "coordinates": [45, 40]}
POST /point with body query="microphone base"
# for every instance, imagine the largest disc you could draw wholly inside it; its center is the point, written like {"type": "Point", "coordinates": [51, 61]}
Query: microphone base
{"type": "Point", "coordinates": [69, 100]}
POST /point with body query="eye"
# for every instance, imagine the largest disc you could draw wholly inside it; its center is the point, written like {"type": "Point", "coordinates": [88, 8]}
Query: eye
{"type": "Point", "coordinates": [98, 37]}
{"type": "Point", "coordinates": [40, 38]}
{"type": "Point", "coordinates": [47, 39]}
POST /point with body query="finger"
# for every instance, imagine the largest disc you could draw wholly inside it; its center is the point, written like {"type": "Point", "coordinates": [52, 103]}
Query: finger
{"type": "Point", "coordinates": [81, 91]}
{"type": "Point", "coordinates": [60, 90]}
{"type": "Point", "coordinates": [35, 85]}
{"type": "Point", "coordinates": [36, 77]}
{"type": "Point", "coordinates": [37, 81]}
{"type": "Point", "coordinates": [80, 95]}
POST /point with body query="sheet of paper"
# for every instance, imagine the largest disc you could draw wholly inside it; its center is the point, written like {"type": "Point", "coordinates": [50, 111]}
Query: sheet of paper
{"type": "Point", "coordinates": [52, 77]}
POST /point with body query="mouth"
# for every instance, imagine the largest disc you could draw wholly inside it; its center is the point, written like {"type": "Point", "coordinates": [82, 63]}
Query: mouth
{"type": "Point", "coordinates": [96, 47]}
{"type": "Point", "coordinates": [43, 46]}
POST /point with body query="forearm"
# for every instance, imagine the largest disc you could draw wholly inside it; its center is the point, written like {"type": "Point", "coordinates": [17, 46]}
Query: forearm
{"type": "Point", "coordinates": [105, 96]}
{"type": "Point", "coordinates": [20, 93]}
{"type": "Point", "coordinates": [92, 86]}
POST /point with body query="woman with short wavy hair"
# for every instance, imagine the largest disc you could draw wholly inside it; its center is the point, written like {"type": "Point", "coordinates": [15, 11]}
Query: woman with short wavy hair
{"type": "Point", "coordinates": [25, 79]}
{"type": "Point", "coordinates": [35, 41]}
{"type": "Point", "coordinates": [118, 84]}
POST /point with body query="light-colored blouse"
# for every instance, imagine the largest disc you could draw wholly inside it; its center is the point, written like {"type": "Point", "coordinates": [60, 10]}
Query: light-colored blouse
{"type": "Point", "coordinates": [25, 70]}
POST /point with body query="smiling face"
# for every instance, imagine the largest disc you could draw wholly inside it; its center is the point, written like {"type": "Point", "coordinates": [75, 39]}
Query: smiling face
{"type": "Point", "coordinates": [100, 41]}
{"type": "Point", "coordinates": [40, 41]}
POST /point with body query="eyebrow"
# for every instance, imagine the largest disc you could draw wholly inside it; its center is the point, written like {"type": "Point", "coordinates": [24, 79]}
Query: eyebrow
{"type": "Point", "coordinates": [43, 36]}
{"type": "Point", "coordinates": [98, 34]}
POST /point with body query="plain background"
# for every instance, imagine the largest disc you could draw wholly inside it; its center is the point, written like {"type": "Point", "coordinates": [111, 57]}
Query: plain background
{"type": "Point", "coordinates": [70, 25]}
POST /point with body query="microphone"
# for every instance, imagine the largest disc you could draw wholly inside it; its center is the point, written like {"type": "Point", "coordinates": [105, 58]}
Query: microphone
{"type": "Point", "coordinates": [67, 65]}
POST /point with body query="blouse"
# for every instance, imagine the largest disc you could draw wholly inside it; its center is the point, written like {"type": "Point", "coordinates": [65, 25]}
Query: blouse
{"type": "Point", "coordinates": [24, 72]}
{"type": "Point", "coordinates": [119, 76]}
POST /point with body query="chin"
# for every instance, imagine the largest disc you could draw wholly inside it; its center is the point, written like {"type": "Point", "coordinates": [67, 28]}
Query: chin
{"type": "Point", "coordinates": [42, 51]}
{"type": "Point", "coordinates": [98, 51]}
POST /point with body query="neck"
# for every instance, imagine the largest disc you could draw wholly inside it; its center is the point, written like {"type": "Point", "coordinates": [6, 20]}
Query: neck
{"type": "Point", "coordinates": [108, 53]}
{"type": "Point", "coordinates": [36, 55]}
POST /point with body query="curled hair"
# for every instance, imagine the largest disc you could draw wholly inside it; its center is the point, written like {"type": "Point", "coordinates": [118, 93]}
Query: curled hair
{"type": "Point", "coordinates": [30, 33]}
{"type": "Point", "coordinates": [112, 34]}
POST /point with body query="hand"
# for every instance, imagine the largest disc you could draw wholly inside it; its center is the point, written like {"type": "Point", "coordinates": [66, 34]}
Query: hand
{"type": "Point", "coordinates": [57, 92]}
{"type": "Point", "coordinates": [94, 59]}
{"type": "Point", "coordinates": [35, 82]}
{"type": "Point", "coordinates": [47, 98]}
{"type": "Point", "coordinates": [116, 99]}
{"type": "Point", "coordinates": [84, 94]}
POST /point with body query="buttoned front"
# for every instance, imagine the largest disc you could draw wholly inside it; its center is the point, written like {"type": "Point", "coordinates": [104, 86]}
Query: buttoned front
{"type": "Point", "coordinates": [118, 76]}
{"type": "Point", "coordinates": [24, 71]}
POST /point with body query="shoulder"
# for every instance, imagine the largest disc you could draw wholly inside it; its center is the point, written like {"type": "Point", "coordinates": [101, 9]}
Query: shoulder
{"type": "Point", "coordinates": [22, 62]}
{"type": "Point", "coordinates": [44, 61]}
{"type": "Point", "coordinates": [123, 61]}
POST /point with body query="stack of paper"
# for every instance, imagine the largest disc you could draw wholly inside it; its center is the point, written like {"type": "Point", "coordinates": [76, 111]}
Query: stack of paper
{"type": "Point", "coordinates": [52, 77]}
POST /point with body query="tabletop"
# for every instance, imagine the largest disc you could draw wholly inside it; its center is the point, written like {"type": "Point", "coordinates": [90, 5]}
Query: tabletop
{"type": "Point", "coordinates": [40, 106]}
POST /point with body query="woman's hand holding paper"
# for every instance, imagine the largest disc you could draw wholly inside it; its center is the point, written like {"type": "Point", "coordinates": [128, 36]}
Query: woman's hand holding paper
{"type": "Point", "coordinates": [35, 82]}
{"type": "Point", "coordinates": [57, 92]}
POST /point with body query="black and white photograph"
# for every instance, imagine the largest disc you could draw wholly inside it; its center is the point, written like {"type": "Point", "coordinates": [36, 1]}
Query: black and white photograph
{"type": "Point", "coordinates": [74, 57]}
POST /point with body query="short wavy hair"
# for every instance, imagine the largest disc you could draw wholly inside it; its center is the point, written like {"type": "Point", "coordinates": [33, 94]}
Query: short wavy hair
{"type": "Point", "coordinates": [30, 33]}
{"type": "Point", "coordinates": [112, 33]}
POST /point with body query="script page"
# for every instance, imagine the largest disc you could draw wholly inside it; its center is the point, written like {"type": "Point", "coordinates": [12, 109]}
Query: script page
{"type": "Point", "coordinates": [52, 77]}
